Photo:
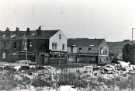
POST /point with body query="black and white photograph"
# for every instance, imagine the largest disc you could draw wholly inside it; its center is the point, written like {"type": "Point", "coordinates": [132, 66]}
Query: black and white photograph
{"type": "Point", "coordinates": [67, 45]}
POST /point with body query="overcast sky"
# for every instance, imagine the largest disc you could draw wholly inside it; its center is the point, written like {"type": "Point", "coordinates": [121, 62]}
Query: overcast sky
{"type": "Point", "coordinates": [109, 19]}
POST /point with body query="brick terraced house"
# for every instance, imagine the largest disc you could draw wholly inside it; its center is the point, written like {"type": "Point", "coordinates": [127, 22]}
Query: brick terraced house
{"type": "Point", "coordinates": [35, 45]}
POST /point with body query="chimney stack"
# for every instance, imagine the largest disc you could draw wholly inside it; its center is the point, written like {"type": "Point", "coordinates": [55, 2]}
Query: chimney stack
{"type": "Point", "coordinates": [27, 31]}
{"type": "Point", "coordinates": [39, 30]}
{"type": "Point", "coordinates": [7, 29]}
{"type": "Point", "coordinates": [17, 29]}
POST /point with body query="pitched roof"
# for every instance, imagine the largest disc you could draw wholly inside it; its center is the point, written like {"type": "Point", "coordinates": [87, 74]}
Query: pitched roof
{"type": "Point", "coordinates": [84, 42]}
{"type": "Point", "coordinates": [45, 34]}
{"type": "Point", "coordinates": [116, 47]}
{"type": "Point", "coordinates": [48, 33]}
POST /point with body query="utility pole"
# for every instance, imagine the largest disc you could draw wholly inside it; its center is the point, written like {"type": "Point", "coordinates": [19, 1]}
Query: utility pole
{"type": "Point", "coordinates": [133, 34]}
{"type": "Point", "coordinates": [25, 47]}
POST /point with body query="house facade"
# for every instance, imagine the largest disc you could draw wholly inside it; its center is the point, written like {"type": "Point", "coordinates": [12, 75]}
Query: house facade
{"type": "Point", "coordinates": [86, 50]}
{"type": "Point", "coordinates": [35, 45]}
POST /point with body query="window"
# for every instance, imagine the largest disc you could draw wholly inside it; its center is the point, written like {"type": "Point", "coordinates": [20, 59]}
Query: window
{"type": "Point", "coordinates": [63, 47]}
{"type": "Point", "coordinates": [89, 49]}
{"type": "Point", "coordinates": [72, 49]}
{"type": "Point", "coordinates": [4, 35]}
{"type": "Point", "coordinates": [101, 51]}
{"type": "Point", "coordinates": [54, 46]}
{"type": "Point", "coordinates": [3, 55]}
{"type": "Point", "coordinates": [59, 36]}
{"type": "Point", "coordinates": [15, 45]}
{"type": "Point", "coordinates": [29, 44]}
{"type": "Point", "coordinates": [80, 49]}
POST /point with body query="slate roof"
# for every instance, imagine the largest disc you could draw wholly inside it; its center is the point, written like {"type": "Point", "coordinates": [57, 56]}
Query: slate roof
{"type": "Point", "coordinates": [116, 47]}
{"type": "Point", "coordinates": [84, 42]}
{"type": "Point", "coordinates": [45, 34]}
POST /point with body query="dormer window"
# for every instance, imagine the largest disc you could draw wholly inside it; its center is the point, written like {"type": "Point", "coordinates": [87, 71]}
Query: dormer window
{"type": "Point", "coordinates": [91, 45]}
{"type": "Point", "coordinates": [89, 49]}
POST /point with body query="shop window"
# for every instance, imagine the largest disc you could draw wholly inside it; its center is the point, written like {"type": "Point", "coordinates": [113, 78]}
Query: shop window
{"type": "Point", "coordinates": [80, 49]}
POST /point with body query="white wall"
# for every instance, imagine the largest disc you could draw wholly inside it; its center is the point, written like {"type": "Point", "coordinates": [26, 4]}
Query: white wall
{"type": "Point", "coordinates": [60, 42]}
{"type": "Point", "coordinates": [104, 47]}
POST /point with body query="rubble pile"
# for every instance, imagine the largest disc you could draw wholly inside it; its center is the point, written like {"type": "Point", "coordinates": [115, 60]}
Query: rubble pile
{"type": "Point", "coordinates": [111, 77]}
{"type": "Point", "coordinates": [23, 77]}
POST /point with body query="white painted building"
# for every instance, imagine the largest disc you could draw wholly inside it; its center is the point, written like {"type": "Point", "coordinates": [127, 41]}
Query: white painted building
{"type": "Point", "coordinates": [58, 42]}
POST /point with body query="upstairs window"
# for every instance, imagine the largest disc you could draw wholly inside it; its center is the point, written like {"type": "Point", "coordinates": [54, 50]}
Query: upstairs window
{"type": "Point", "coordinates": [105, 52]}
{"type": "Point", "coordinates": [15, 45]}
{"type": "Point", "coordinates": [59, 36]}
{"type": "Point", "coordinates": [101, 51]}
{"type": "Point", "coordinates": [4, 36]}
{"type": "Point", "coordinates": [72, 49]}
{"type": "Point", "coordinates": [63, 46]}
{"type": "Point", "coordinates": [29, 44]}
{"type": "Point", "coordinates": [54, 46]}
{"type": "Point", "coordinates": [80, 49]}
{"type": "Point", "coordinates": [89, 49]}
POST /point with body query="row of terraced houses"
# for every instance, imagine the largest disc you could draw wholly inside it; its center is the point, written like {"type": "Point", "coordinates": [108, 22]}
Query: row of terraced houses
{"type": "Point", "coordinates": [51, 46]}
